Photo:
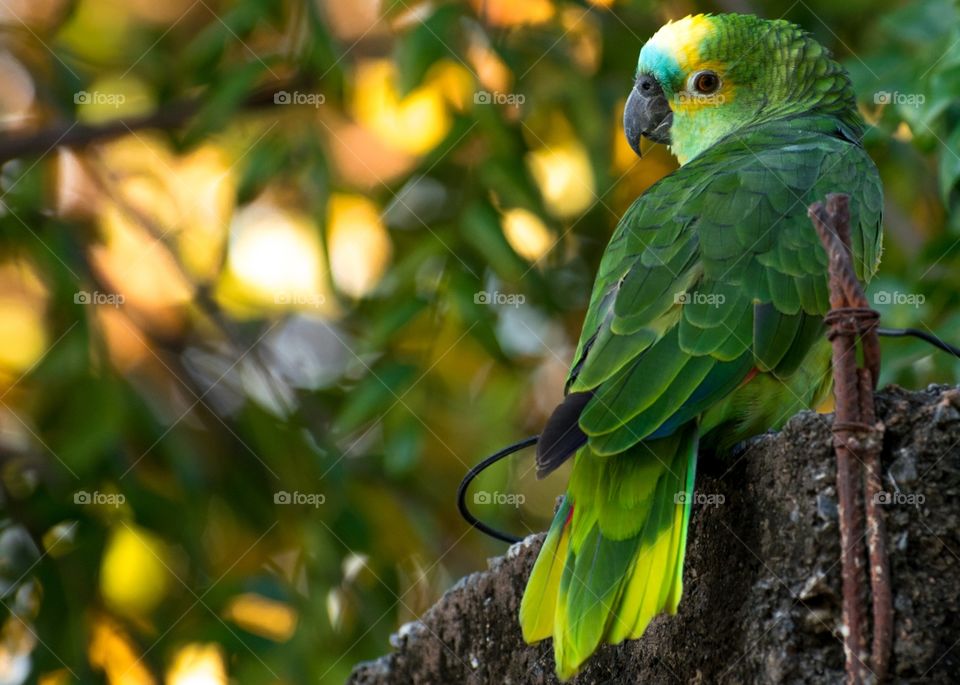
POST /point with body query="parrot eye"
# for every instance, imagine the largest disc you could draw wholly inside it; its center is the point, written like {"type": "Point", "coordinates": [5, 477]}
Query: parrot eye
{"type": "Point", "coordinates": [705, 82]}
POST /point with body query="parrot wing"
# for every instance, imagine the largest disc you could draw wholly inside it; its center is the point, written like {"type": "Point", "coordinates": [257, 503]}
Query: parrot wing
{"type": "Point", "coordinates": [713, 272]}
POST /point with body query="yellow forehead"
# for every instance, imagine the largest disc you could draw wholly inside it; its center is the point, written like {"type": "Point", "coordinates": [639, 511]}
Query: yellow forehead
{"type": "Point", "coordinates": [681, 39]}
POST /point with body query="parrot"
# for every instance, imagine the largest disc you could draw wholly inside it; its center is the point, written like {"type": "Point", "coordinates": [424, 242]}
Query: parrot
{"type": "Point", "coordinates": [705, 325]}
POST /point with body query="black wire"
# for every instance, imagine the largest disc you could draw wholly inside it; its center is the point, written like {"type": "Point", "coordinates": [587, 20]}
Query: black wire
{"type": "Point", "coordinates": [476, 471]}
{"type": "Point", "coordinates": [923, 335]}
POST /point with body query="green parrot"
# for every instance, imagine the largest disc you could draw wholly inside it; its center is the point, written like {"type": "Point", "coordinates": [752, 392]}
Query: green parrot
{"type": "Point", "coordinates": [705, 325]}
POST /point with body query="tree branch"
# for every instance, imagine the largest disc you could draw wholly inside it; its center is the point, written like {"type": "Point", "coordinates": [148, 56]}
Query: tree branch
{"type": "Point", "coordinates": [172, 116]}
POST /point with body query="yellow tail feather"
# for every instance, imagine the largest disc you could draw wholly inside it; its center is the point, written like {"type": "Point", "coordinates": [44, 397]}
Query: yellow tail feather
{"type": "Point", "coordinates": [539, 602]}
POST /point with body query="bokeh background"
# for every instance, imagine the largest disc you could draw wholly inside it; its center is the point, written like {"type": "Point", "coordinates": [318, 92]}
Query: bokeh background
{"type": "Point", "coordinates": [249, 346]}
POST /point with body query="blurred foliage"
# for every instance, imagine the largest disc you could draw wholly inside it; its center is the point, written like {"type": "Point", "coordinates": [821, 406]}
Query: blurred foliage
{"type": "Point", "coordinates": [246, 361]}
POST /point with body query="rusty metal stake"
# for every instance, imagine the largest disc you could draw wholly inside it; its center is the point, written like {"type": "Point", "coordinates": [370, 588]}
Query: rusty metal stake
{"type": "Point", "coordinates": [876, 534]}
{"type": "Point", "coordinates": [857, 441]}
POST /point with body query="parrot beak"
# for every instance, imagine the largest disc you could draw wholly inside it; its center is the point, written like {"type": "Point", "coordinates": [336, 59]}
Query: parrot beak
{"type": "Point", "coordinates": [647, 113]}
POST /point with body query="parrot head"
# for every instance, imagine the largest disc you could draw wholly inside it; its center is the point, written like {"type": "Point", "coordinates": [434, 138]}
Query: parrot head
{"type": "Point", "coordinates": [703, 77]}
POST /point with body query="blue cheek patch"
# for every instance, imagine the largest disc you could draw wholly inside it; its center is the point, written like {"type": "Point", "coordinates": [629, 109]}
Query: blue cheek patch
{"type": "Point", "coordinates": [661, 66]}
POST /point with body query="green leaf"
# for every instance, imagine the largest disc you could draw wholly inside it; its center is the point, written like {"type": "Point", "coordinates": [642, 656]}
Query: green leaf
{"type": "Point", "coordinates": [482, 230]}
{"type": "Point", "coordinates": [430, 39]}
{"type": "Point", "coordinates": [223, 101]}
{"type": "Point", "coordinates": [374, 395]}
{"type": "Point", "coordinates": [950, 171]}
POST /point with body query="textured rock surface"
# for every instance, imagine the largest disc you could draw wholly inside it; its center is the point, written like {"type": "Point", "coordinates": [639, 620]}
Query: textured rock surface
{"type": "Point", "coordinates": [762, 579]}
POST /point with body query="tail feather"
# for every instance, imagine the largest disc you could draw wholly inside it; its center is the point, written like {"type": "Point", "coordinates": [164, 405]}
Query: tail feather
{"type": "Point", "coordinates": [681, 524]}
{"type": "Point", "coordinates": [540, 596]}
{"type": "Point", "coordinates": [589, 591]}
{"type": "Point", "coordinates": [613, 558]}
{"type": "Point", "coordinates": [643, 597]}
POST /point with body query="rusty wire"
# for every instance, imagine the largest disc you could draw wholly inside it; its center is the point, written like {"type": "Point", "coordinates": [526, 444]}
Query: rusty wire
{"type": "Point", "coordinates": [858, 438]}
